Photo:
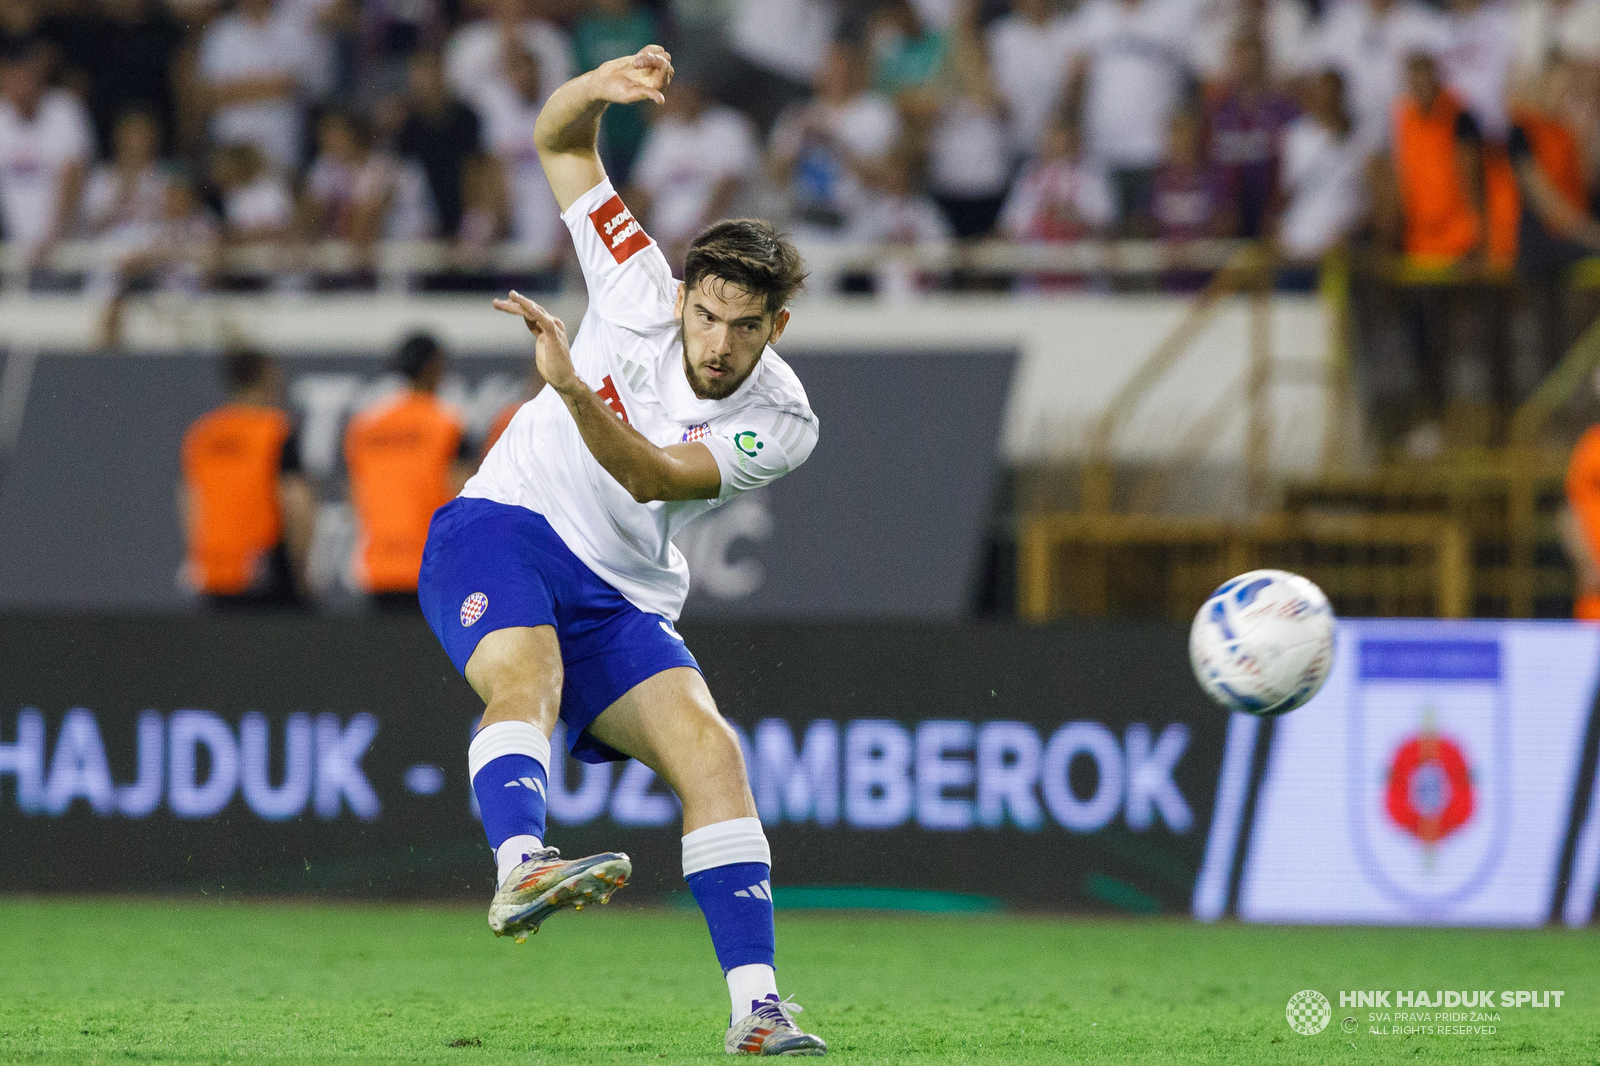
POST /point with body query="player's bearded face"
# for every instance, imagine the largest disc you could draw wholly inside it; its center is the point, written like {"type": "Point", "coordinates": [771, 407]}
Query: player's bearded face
{"type": "Point", "coordinates": [725, 330]}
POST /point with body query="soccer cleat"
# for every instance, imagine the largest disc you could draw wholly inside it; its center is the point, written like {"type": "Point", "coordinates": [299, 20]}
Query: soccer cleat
{"type": "Point", "coordinates": [544, 883]}
{"type": "Point", "coordinates": [770, 1030]}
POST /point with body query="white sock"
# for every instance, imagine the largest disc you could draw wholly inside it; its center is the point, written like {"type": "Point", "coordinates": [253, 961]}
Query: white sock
{"type": "Point", "coordinates": [750, 984]}
{"type": "Point", "coordinates": [512, 851]}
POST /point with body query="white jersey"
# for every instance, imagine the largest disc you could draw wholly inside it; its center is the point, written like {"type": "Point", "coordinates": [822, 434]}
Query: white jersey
{"type": "Point", "coordinates": [629, 349]}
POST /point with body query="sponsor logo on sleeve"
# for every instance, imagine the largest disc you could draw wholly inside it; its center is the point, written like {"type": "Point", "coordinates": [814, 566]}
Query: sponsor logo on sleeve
{"type": "Point", "coordinates": [618, 229]}
{"type": "Point", "coordinates": [748, 443]}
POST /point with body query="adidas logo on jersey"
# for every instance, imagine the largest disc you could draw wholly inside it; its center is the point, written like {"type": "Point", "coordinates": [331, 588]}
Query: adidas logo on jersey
{"type": "Point", "coordinates": [526, 782]}
{"type": "Point", "coordinates": [760, 891]}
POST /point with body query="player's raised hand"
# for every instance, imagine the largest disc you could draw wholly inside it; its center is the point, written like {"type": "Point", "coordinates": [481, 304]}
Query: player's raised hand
{"type": "Point", "coordinates": [550, 349]}
{"type": "Point", "coordinates": [641, 76]}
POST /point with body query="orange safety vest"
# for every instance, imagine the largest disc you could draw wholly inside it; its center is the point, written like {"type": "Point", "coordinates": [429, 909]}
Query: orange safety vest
{"type": "Point", "coordinates": [1583, 496]}
{"type": "Point", "coordinates": [1440, 222]}
{"type": "Point", "coordinates": [501, 421]}
{"type": "Point", "coordinates": [231, 459]}
{"type": "Point", "coordinates": [398, 456]}
{"type": "Point", "coordinates": [1556, 152]}
{"type": "Point", "coordinates": [1503, 203]}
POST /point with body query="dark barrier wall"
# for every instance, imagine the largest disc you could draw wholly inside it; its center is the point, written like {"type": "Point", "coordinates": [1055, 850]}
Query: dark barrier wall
{"type": "Point", "coordinates": [899, 488]}
{"type": "Point", "coordinates": [1068, 767]}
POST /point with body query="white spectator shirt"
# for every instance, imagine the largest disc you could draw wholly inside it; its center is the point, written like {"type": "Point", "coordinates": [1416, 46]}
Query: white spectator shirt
{"type": "Point", "coordinates": [866, 128]}
{"type": "Point", "coordinates": [508, 121]}
{"type": "Point", "coordinates": [341, 187]}
{"type": "Point", "coordinates": [1542, 27]}
{"type": "Point", "coordinates": [790, 37]}
{"type": "Point", "coordinates": [1480, 46]}
{"type": "Point", "coordinates": [968, 156]}
{"type": "Point", "coordinates": [1325, 182]}
{"type": "Point", "coordinates": [110, 204]}
{"type": "Point", "coordinates": [33, 154]}
{"type": "Point", "coordinates": [1137, 58]}
{"type": "Point", "coordinates": [264, 205]}
{"type": "Point", "coordinates": [1370, 51]}
{"type": "Point", "coordinates": [235, 47]}
{"type": "Point", "coordinates": [682, 161]}
{"type": "Point", "coordinates": [474, 59]}
{"type": "Point", "coordinates": [1285, 27]}
{"type": "Point", "coordinates": [1048, 186]}
{"type": "Point", "coordinates": [629, 350]}
{"type": "Point", "coordinates": [1030, 64]}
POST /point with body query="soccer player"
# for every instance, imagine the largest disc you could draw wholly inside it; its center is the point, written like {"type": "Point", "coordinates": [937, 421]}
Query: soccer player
{"type": "Point", "coordinates": [553, 583]}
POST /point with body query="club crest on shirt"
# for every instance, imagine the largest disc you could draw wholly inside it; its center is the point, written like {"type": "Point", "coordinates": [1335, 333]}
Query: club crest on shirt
{"type": "Point", "coordinates": [700, 432]}
{"type": "Point", "coordinates": [472, 608]}
{"type": "Point", "coordinates": [619, 231]}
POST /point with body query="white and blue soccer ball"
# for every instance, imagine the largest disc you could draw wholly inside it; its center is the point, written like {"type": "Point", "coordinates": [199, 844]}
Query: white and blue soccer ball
{"type": "Point", "coordinates": [1263, 642]}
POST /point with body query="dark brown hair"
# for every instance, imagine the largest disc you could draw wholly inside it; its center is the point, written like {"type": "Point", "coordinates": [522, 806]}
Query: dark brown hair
{"type": "Point", "coordinates": [750, 255]}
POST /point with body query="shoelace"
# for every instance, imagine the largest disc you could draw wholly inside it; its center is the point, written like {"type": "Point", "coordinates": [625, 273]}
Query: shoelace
{"type": "Point", "coordinates": [778, 1009]}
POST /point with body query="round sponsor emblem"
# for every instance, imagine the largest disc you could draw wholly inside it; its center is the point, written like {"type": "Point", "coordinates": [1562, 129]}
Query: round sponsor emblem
{"type": "Point", "coordinates": [1309, 1012]}
{"type": "Point", "coordinates": [472, 608]}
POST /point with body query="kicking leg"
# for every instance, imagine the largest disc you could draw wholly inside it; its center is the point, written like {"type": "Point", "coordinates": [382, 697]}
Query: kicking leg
{"type": "Point", "coordinates": [517, 672]}
{"type": "Point", "coordinates": [670, 723]}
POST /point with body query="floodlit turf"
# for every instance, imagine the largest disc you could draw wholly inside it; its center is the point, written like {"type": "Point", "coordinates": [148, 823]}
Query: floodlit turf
{"type": "Point", "coordinates": [109, 980]}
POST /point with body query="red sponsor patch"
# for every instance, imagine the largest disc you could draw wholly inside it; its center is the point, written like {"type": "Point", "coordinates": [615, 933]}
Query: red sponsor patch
{"type": "Point", "coordinates": [609, 396]}
{"type": "Point", "coordinates": [618, 229]}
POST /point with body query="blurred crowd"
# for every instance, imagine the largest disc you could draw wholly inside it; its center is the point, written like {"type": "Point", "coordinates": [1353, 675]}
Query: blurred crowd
{"type": "Point", "coordinates": [171, 129]}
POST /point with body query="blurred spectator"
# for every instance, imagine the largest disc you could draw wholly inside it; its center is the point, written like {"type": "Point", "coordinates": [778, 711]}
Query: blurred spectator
{"type": "Point", "coordinates": [444, 136]}
{"type": "Point", "coordinates": [776, 49]}
{"type": "Point", "coordinates": [1368, 41]}
{"type": "Point", "coordinates": [247, 509]}
{"type": "Point", "coordinates": [696, 161]}
{"type": "Point", "coordinates": [1189, 198]}
{"type": "Point", "coordinates": [23, 27]}
{"type": "Point", "coordinates": [406, 458]}
{"type": "Point", "coordinates": [353, 193]}
{"type": "Point", "coordinates": [1133, 74]}
{"type": "Point", "coordinates": [1556, 230]}
{"type": "Point", "coordinates": [131, 190]}
{"type": "Point", "coordinates": [608, 30]}
{"type": "Point", "coordinates": [821, 149]}
{"type": "Point", "coordinates": [259, 64]}
{"type": "Point", "coordinates": [46, 144]}
{"type": "Point", "coordinates": [1282, 26]}
{"type": "Point", "coordinates": [898, 213]}
{"type": "Point", "coordinates": [1324, 173]}
{"type": "Point", "coordinates": [510, 111]}
{"type": "Point", "coordinates": [392, 32]}
{"type": "Point", "coordinates": [941, 83]}
{"type": "Point", "coordinates": [1246, 127]}
{"type": "Point", "coordinates": [1030, 53]}
{"type": "Point", "coordinates": [1476, 61]}
{"type": "Point", "coordinates": [256, 203]}
{"type": "Point", "coordinates": [1450, 190]}
{"type": "Point", "coordinates": [129, 53]}
{"type": "Point", "coordinates": [1059, 197]}
{"type": "Point", "coordinates": [475, 59]}
{"type": "Point", "coordinates": [1545, 28]}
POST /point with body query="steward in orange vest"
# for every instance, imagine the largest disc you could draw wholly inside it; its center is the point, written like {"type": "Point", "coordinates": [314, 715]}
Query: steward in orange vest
{"type": "Point", "coordinates": [1555, 229]}
{"type": "Point", "coordinates": [1457, 194]}
{"type": "Point", "coordinates": [406, 458]}
{"type": "Point", "coordinates": [246, 508]}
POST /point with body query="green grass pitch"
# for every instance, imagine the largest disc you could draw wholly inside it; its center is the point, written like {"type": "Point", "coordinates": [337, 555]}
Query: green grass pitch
{"type": "Point", "coordinates": [109, 980]}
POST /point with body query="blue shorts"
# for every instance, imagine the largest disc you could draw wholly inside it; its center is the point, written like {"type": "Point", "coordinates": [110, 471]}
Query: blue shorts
{"type": "Point", "coordinates": [491, 565]}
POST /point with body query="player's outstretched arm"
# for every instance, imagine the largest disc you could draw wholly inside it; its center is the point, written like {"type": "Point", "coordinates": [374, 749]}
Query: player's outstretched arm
{"type": "Point", "coordinates": [676, 472]}
{"type": "Point", "coordinates": [568, 129]}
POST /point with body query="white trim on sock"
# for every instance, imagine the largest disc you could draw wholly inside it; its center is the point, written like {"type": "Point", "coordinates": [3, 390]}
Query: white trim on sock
{"type": "Point", "coordinates": [725, 843]}
{"type": "Point", "coordinates": [507, 738]}
{"type": "Point", "coordinates": [512, 852]}
{"type": "Point", "coordinates": [748, 984]}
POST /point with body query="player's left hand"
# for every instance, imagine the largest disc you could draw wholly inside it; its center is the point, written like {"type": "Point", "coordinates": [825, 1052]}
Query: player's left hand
{"type": "Point", "coordinates": [550, 349]}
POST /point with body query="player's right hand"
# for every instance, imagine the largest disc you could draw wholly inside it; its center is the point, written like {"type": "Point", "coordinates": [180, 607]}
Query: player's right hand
{"type": "Point", "coordinates": [641, 76]}
{"type": "Point", "coordinates": [550, 351]}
